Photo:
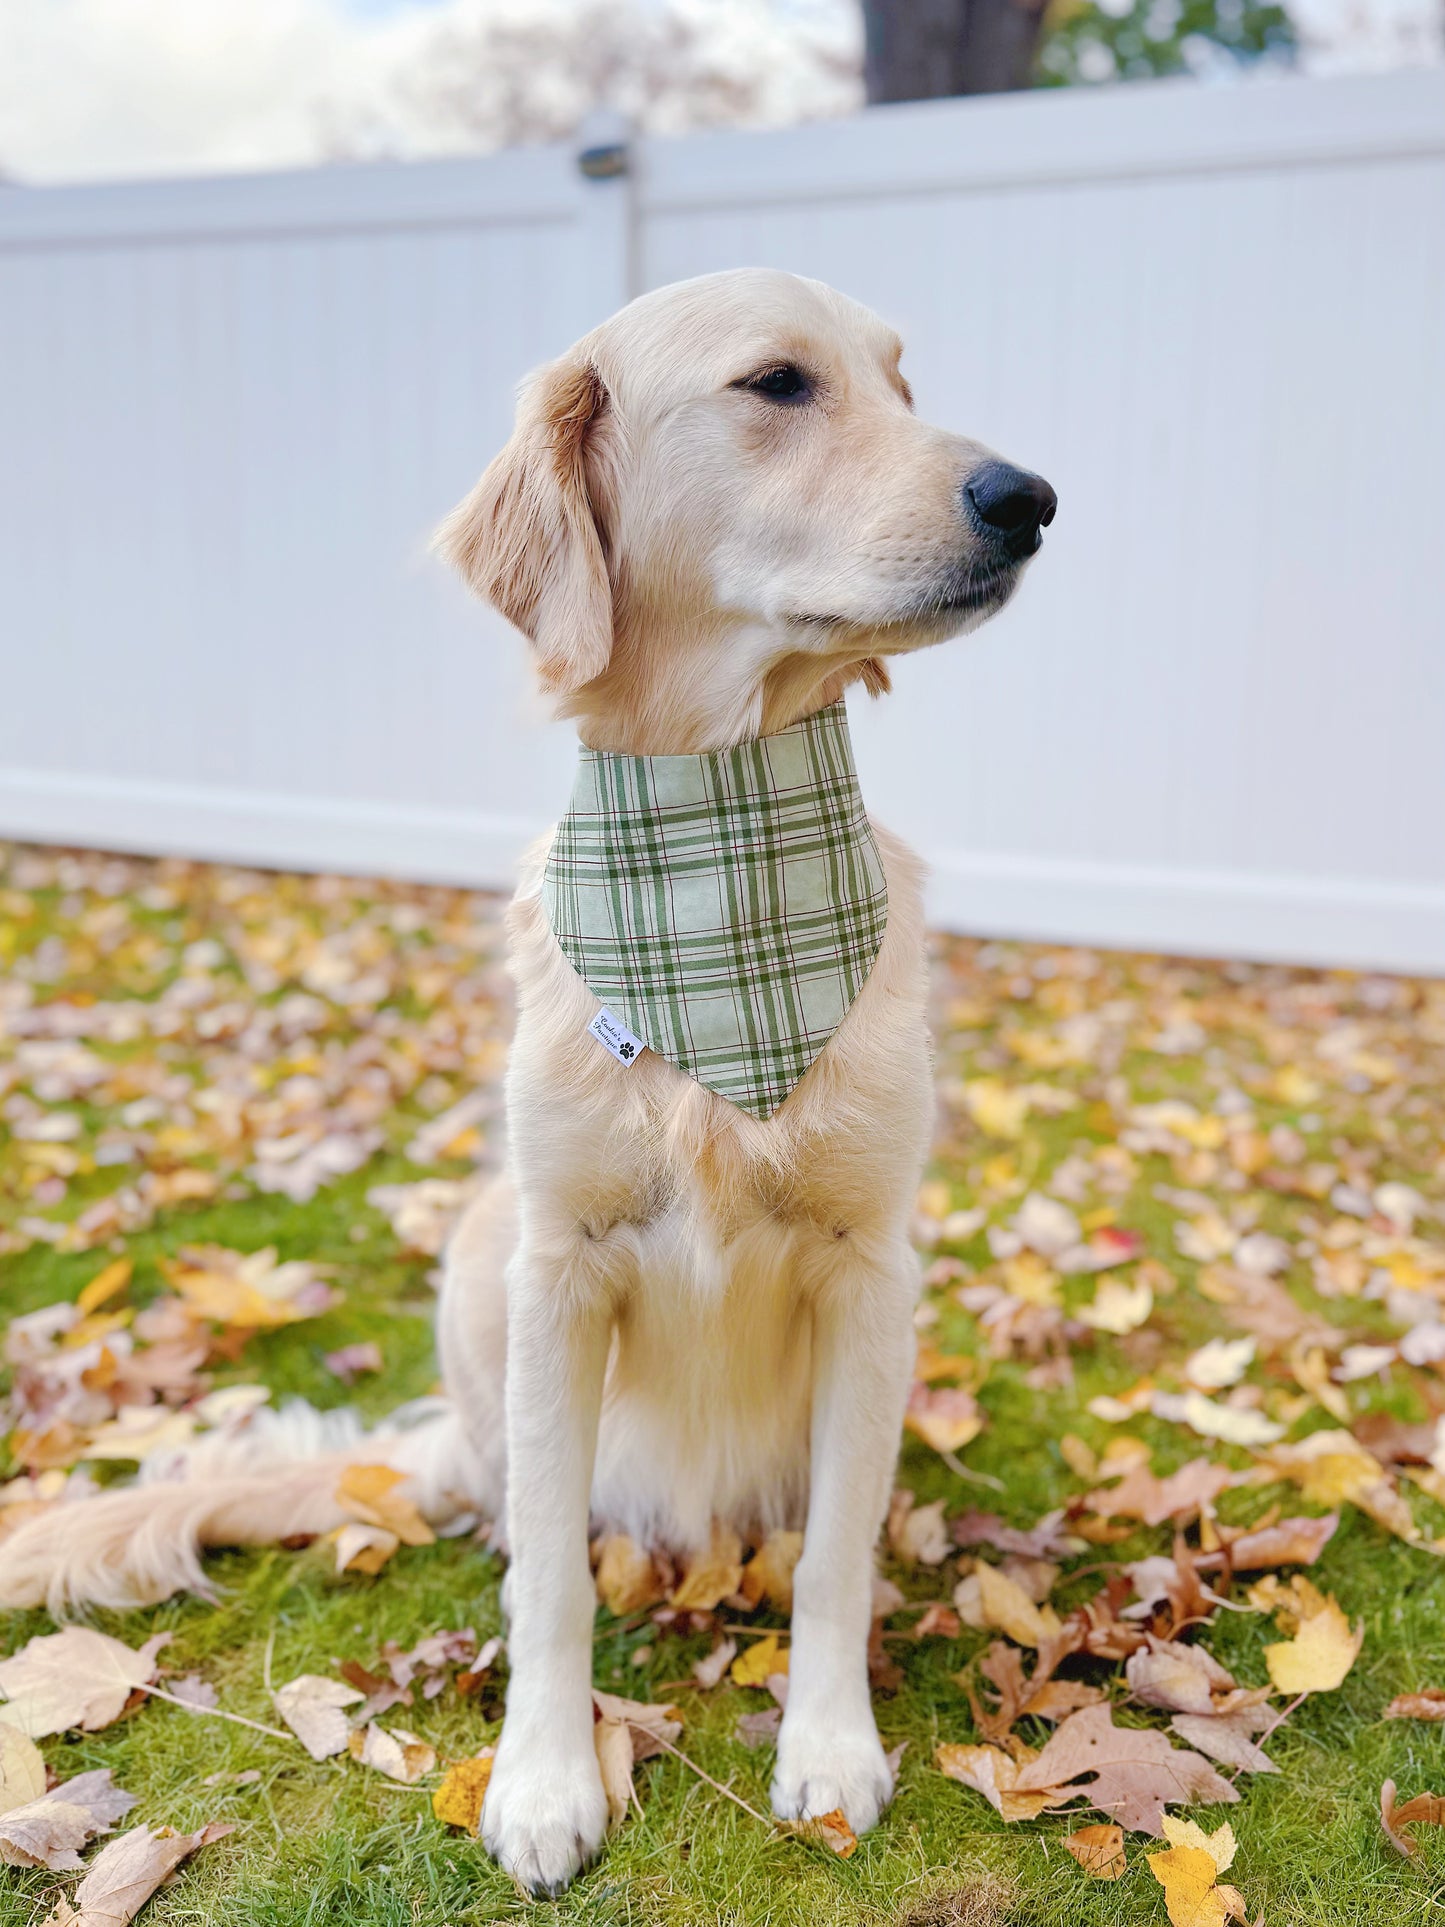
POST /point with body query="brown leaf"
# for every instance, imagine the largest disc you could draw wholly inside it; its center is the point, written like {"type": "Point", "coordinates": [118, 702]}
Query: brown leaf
{"type": "Point", "coordinates": [1290, 1542]}
{"type": "Point", "coordinates": [1228, 1737]}
{"type": "Point", "coordinates": [1425, 1809]}
{"type": "Point", "coordinates": [76, 1677]}
{"type": "Point", "coordinates": [995, 1775]}
{"type": "Point", "coordinates": [50, 1828]}
{"type": "Point", "coordinates": [1140, 1494]}
{"type": "Point", "coordinates": [1180, 1678]}
{"type": "Point", "coordinates": [1428, 1704]}
{"type": "Point", "coordinates": [127, 1871]}
{"type": "Point", "coordinates": [1098, 1850]}
{"type": "Point", "coordinates": [830, 1830]}
{"type": "Point", "coordinates": [1131, 1773]}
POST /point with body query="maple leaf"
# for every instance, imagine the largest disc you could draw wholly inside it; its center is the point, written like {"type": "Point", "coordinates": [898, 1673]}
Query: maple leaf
{"type": "Point", "coordinates": [995, 1775]}
{"type": "Point", "coordinates": [760, 1661]}
{"type": "Point", "coordinates": [1179, 1678]}
{"type": "Point", "coordinates": [1131, 1773]}
{"type": "Point", "coordinates": [830, 1830]}
{"type": "Point", "coordinates": [1425, 1809]}
{"type": "Point", "coordinates": [76, 1677]}
{"type": "Point", "coordinates": [312, 1706]}
{"type": "Point", "coordinates": [945, 1417]}
{"type": "Point", "coordinates": [1140, 1494]}
{"type": "Point", "coordinates": [1319, 1655]}
{"type": "Point", "coordinates": [127, 1871]}
{"type": "Point", "coordinates": [1038, 1695]}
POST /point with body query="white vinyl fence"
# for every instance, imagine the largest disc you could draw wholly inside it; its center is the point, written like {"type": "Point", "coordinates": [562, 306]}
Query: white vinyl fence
{"type": "Point", "coordinates": [1214, 720]}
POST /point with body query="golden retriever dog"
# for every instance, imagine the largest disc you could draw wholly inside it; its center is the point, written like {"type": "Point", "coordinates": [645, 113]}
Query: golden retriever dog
{"type": "Point", "coordinates": [717, 512]}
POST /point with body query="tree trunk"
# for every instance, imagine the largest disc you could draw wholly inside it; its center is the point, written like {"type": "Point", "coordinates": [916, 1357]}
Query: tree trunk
{"type": "Point", "coordinates": [929, 49]}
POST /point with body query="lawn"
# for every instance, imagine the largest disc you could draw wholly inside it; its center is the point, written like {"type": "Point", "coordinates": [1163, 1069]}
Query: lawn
{"type": "Point", "coordinates": [1135, 1157]}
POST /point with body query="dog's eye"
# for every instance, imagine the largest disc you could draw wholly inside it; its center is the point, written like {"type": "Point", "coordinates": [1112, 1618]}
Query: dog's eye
{"type": "Point", "coordinates": [783, 383]}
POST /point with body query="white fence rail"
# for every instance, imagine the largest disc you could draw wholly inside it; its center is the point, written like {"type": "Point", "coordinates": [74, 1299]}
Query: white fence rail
{"type": "Point", "coordinates": [230, 410]}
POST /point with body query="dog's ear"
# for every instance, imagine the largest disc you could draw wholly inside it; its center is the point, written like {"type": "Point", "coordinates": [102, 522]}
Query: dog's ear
{"type": "Point", "coordinates": [526, 538]}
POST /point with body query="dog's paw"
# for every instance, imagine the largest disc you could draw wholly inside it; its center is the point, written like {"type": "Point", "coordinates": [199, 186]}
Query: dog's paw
{"type": "Point", "coordinates": [545, 1815]}
{"type": "Point", "coordinates": [822, 1769]}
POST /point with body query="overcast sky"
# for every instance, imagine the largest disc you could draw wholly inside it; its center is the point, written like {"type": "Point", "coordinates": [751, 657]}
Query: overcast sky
{"type": "Point", "coordinates": [94, 89]}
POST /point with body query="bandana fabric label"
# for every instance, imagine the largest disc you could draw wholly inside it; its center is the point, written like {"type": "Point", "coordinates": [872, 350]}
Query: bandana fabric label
{"type": "Point", "coordinates": [615, 1038]}
{"type": "Point", "coordinates": [724, 908]}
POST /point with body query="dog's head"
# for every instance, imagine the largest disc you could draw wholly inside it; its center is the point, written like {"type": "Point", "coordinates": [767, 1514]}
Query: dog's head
{"type": "Point", "coordinates": [720, 507]}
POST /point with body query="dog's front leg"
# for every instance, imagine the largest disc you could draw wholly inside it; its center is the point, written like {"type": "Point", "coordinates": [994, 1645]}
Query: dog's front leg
{"type": "Point", "coordinates": [545, 1813]}
{"type": "Point", "coordinates": [829, 1754]}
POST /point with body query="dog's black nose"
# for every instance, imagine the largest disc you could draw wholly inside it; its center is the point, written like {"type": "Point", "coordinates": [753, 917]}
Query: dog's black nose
{"type": "Point", "coordinates": [1013, 503]}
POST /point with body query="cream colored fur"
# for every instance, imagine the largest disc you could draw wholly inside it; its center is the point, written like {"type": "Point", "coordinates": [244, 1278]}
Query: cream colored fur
{"type": "Point", "coordinates": [666, 1312]}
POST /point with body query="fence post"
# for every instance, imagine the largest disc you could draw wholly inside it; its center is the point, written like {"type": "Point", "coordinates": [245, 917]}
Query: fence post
{"type": "Point", "coordinates": [607, 254]}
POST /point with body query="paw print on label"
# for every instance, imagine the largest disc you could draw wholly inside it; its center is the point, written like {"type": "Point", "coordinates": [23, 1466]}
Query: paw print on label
{"type": "Point", "coordinates": [626, 1050]}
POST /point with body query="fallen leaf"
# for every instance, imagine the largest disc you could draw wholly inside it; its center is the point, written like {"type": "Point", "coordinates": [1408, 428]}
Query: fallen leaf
{"type": "Point", "coordinates": [768, 1575]}
{"type": "Point", "coordinates": [917, 1533]}
{"type": "Point", "coordinates": [76, 1677]}
{"type": "Point", "coordinates": [312, 1707]}
{"type": "Point", "coordinates": [1140, 1494]}
{"type": "Point", "coordinates": [361, 1548]}
{"type": "Point", "coordinates": [22, 1769]}
{"type": "Point", "coordinates": [50, 1828]}
{"type": "Point", "coordinates": [711, 1576]}
{"type": "Point", "coordinates": [110, 1280]}
{"type": "Point", "coordinates": [457, 1802]}
{"type": "Point", "coordinates": [351, 1361]}
{"type": "Point", "coordinates": [708, 1672]}
{"type": "Point", "coordinates": [1118, 1307]}
{"type": "Point", "coordinates": [1180, 1678]}
{"type": "Point", "coordinates": [1319, 1655]}
{"type": "Point", "coordinates": [1188, 1876]}
{"type": "Point", "coordinates": [625, 1733]}
{"type": "Point", "coordinates": [759, 1729]}
{"type": "Point", "coordinates": [759, 1660]}
{"type": "Point", "coordinates": [127, 1871]}
{"type": "Point", "coordinates": [398, 1754]}
{"type": "Point", "coordinates": [988, 1597]}
{"type": "Point", "coordinates": [368, 1494]}
{"type": "Point", "coordinates": [1131, 1773]}
{"type": "Point", "coordinates": [628, 1578]}
{"type": "Point", "coordinates": [1098, 1850]}
{"type": "Point", "coordinates": [830, 1830]}
{"type": "Point", "coordinates": [1425, 1809]}
{"type": "Point", "coordinates": [994, 1774]}
{"type": "Point", "coordinates": [1426, 1705]}
{"type": "Point", "coordinates": [946, 1417]}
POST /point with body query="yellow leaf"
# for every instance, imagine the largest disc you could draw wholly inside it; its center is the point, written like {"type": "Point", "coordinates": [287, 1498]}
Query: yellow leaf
{"type": "Point", "coordinates": [627, 1577]}
{"type": "Point", "coordinates": [1187, 1875]}
{"type": "Point", "coordinates": [989, 1597]}
{"type": "Point", "coordinates": [994, 1108]}
{"type": "Point", "coordinates": [1219, 1845]}
{"type": "Point", "coordinates": [711, 1576]}
{"type": "Point", "coordinates": [1118, 1307]}
{"type": "Point", "coordinates": [368, 1493]}
{"type": "Point", "coordinates": [105, 1284]}
{"type": "Point", "coordinates": [769, 1573]}
{"type": "Point", "coordinates": [757, 1663]}
{"type": "Point", "coordinates": [945, 1418]}
{"type": "Point", "coordinates": [457, 1802]}
{"type": "Point", "coordinates": [1319, 1656]}
{"type": "Point", "coordinates": [363, 1548]}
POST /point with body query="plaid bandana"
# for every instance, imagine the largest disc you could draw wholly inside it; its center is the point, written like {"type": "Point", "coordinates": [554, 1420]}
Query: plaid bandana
{"type": "Point", "coordinates": [727, 907]}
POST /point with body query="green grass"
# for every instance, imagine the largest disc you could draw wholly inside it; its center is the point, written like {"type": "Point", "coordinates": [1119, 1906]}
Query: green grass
{"type": "Point", "coordinates": [333, 1843]}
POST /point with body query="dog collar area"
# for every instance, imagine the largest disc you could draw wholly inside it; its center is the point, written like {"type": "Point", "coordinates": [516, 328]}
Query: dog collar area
{"type": "Point", "coordinates": [727, 906]}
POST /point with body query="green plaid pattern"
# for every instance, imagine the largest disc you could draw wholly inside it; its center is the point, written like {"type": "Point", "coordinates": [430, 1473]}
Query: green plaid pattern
{"type": "Point", "coordinates": [727, 907]}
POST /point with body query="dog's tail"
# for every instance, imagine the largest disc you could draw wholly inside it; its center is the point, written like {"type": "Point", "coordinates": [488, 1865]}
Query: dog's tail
{"type": "Point", "coordinates": [270, 1480]}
